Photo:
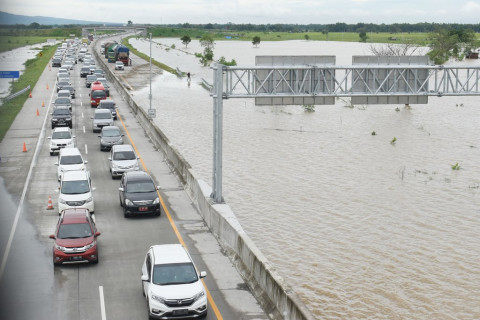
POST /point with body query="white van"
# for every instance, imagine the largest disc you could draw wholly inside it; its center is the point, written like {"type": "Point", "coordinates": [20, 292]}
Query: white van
{"type": "Point", "coordinates": [76, 191]}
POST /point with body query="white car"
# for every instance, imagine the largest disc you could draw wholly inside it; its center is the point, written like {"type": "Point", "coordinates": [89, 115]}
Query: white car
{"type": "Point", "coordinates": [76, 191]}
{"type": "Point", "coordinates": [69, 159]}
{"type": "Point", "coordinates": [171, 284]}
{"type": "Point", "coordinates": [122, 159]}
{"type": "Point", "coordinates": [119, 65]}
{"type": "Point", "coordinates": [62, 137]}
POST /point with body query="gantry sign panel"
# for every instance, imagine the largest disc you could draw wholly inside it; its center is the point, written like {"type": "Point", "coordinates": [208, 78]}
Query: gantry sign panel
{"type": "Point", "coordinates": [289, 85]}
{"type": "Point", "coordinates": [390, 84]}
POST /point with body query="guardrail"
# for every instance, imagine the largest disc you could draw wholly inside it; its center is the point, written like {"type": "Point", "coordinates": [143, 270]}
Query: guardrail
{"type": "Point", "coordinates": [10, 97]}
{"type": "Point", "coordinates": [275, 296]}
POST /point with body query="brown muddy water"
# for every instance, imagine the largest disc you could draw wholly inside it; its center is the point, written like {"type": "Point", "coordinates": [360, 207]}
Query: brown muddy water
{"type": "Point", "coordinates": [361, 228]}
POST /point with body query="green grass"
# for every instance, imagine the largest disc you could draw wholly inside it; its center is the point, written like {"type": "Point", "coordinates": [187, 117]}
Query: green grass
{"type": "Point", "coordinates": [146, 57]}
{"type": "Point", "coordinates": [8, 43]}
{"type": "Point", "coordinates": [33, 70]}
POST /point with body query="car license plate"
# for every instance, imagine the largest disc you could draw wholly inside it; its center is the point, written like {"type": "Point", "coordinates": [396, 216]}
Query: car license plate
{"type": "Point", "coordinates": [143, 209]}
{"type": "Point", "coordinates": [180, 312]}
{"type": "Point", "coordinates": [76, 258]}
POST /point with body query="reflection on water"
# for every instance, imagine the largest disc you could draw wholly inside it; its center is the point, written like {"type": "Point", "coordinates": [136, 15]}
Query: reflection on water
{"type": "Point", "coordinates": [360, 228]}
{"type": "Point", "coordinates": [14, 60]}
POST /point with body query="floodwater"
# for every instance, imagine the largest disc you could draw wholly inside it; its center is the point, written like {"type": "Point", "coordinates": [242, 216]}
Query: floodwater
{"type": "Point", "coordinates": [14, 60]}
{"type": "Point", "coordinates": [359, 227]}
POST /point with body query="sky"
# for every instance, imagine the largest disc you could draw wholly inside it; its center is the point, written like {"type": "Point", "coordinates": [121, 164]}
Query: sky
{"type": "Point", "coordinates": [252, 11]}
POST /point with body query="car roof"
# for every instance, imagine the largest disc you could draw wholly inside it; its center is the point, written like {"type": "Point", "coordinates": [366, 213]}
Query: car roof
{"type": "Point", "coordinates": [108, 101]}
{"type": "Point", "coordinates": [57, 129]}
{"type": "Point", "coordinates": [74, 175]}
{"type": "Point", "coordinates": [74, 215]}
{"type": "Point", "coordinates": [63, 91]}
{"type": "Point", "coordinates": [169, 253]}
{"type": "Point", "coordinates": [120, 147]}
{"type": "Point", "coordinates": [69, 152]}
{"type": "Point", "coordinates": [138, 176]}
{"type": "Point", "coordinates": [102, 111]}
{"type": "Point", "coordinates": [110, 128]}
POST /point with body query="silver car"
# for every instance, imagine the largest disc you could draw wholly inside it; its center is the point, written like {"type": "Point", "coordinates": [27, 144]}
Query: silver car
{"type": "Point", "coordinates": [101, 118]}
{"type": "Point", "coordinates": [122, 159]}
{"type": "Point", "coordinates": [110, 136]}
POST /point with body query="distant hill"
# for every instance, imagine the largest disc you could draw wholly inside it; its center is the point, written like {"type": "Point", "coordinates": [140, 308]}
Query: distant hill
{"type": "Point", "coordinates": [8, 18]}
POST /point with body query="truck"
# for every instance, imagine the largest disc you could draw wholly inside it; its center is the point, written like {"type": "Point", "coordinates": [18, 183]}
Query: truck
{"type": "Point", "coordinates": [122, 54]}
{"type": "Point", "coordinates": [106, 46]}
{"type": "Point", "coordinates": [111, 52]}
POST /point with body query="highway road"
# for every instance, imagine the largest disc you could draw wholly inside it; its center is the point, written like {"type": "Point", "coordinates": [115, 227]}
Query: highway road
{"type": "Point", "coordinates": [32, 288]}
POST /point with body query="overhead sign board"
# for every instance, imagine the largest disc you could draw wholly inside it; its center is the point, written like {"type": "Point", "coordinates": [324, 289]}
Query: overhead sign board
{"type": "Point", "coordinates": [301, 87]}
{"type": "Point", "coordinates": [10, 74]}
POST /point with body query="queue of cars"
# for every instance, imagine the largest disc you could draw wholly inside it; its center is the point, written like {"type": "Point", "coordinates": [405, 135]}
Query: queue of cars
{"type": "Point", "coordinates": [170, 282]}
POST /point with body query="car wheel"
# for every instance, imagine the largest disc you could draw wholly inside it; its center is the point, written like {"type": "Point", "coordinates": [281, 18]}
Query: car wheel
{"type": "Point", "coordinates": [121, 204]}
{"type": "Point", "coordinates": [125, 214]}
{"type": "Point", "coordinates": [51, 153]}
{"type": "Point", "coordinates": [96, 261]}
{"type": "Point", "coordinates": [148, 311]}
{"type": "Point", "coordinates": [55, 263]}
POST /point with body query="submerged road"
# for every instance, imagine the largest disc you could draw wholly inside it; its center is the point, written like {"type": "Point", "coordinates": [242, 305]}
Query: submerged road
{"type": "Point", "coordinates": [31, 287]}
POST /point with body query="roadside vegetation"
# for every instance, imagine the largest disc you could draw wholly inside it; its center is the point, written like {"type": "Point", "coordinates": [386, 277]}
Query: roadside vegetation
{"type": "Point", "coordinates": [33, 70]}
{"type": "Point", "coordinates": [146, 57]}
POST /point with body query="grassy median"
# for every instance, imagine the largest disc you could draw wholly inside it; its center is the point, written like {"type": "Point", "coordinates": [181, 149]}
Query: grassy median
{"type": "Point", "coordinates": [33, 70]}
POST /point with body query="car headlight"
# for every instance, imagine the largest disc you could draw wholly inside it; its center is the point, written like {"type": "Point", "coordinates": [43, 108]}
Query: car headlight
{"type": "Point", "coordinates": [54, 119]}
{"type": "Point", "coordinates": [158, 298]}
{"type": "Point", "coordinates": [156, 201]}
{"type": "Point", "coordinates": [59, 248]}
{"type": "Point", "coordinates": [62, 201]}
{"type": "Point", "coordinates": [103, 141]}
{"type": "Point", "coordinates": [89, 246]}
{"type": "Point", "coordinates": [90, 199]}
{"type": "Point", "coordinates": [128, 202]}
{"type": "Point", "coordinates": [69, 118]}
{"type": "Point", "coordinates": [53, 144]}
{"type": "Point", "coordinates": [198, 295]}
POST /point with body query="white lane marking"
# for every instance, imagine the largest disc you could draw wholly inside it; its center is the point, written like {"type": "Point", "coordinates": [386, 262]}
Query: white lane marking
{"type": "Point", "coordinates": [102, 303]}
{"type": "Point", "coordinates": [24, 192]}
{"type": "Point", "coordinates": [86, 150]}
{"type": "Point", "coordinates": [82, 114]}
{"type": "Point", "coordinates": [83, 129]}
{"type": "Point", "coordinates": [81, 105]}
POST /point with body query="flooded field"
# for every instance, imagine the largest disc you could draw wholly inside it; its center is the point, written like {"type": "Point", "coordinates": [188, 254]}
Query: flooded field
{"type": "Point", "coordinates": [360, 227]}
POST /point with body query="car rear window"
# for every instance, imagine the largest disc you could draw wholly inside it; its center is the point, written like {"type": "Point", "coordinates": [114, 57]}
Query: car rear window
{"type": "Point", "coordinates": [75, 159]}
{"type": "Point", "coordinates": [124, 155]}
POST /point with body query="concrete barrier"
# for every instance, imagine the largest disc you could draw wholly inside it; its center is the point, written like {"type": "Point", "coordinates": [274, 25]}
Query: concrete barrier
{"type": "Point", "coordinates": [270, 289]}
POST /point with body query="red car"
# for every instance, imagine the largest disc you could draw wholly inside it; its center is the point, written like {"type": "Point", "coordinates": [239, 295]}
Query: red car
{"type": "Point", "coordinates": [75, 237]}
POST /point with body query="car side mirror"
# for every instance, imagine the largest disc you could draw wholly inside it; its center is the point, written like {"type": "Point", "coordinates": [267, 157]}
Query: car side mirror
{"type": "Point", "coordinates": [94, 188]}
{"type": "Point", "coordinates": [97, 234]}
{"type": "Point", "coordinates": [49, 138]}
{"type": "Point", "coordinates": [91, 117]}
{"type": "Point", "coordinates": [121, 189]}
{"type": "Point", "coordinates": [99, 136]}
{"type": "Point", "coordinates": [52, 236]}
{"type": "Point", "coordinates": [56, 163]}
{"type": "Point", "coordinates": [74, 137]}
{"type": "Point", "coordinates": [159, 187]}
{"type": "Point", "coordinates": [110, 158]}
{"type": "Point", "coordinates": [145, 277]}
{"type": "Point", "coordinates": [85, 162]}
{"type": "Point", "coordinates": [203, 274]}
{"type": "Point", "coordinates": [123, 135]}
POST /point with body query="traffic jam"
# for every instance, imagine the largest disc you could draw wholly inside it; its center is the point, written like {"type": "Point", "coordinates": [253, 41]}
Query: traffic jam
{"type": "Point", "coordinates": [171, 284]}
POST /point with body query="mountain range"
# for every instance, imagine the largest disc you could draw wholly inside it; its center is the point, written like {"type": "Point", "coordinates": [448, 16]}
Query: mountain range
{"type": "Point", "coordinates": [9, 19]}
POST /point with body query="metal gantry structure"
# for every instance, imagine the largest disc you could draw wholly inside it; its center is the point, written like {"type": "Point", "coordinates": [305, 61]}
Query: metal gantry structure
{"type": "Point", "coordinates": [321, 84]}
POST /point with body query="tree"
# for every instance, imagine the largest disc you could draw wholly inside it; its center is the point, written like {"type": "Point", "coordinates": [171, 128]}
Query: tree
{"type": "Point", "coordinates": [129, 23]}
{"type": "Point", "coordinates": [256, 41]}
{"type": "Point", "coordinates": [307, 37]}
{"type": "Point", "coordinates": [206, 41]}
{"type": "Point", "coordinates": [186, 40]}
{"type": "Point", "coordinates": [453, 43]}
{"type": "Point", "coordinates": [393, 49]}
{"type": "Point", "coordinates": [363, 35]}
{"type": "Point", "coordinates": [34, 25]}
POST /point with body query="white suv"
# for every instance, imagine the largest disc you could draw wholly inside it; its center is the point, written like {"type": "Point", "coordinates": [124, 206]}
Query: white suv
{"type": "Point", "coordinates": [61, 138]}
{"type": "Point", "coordinates": [122, 159]}
{"type": "Point", "coordinates": [76, 191]}
{"type": "Point", "coordinates": [69, 159]}
{"type": "Point", "coordinates": [171, 284]}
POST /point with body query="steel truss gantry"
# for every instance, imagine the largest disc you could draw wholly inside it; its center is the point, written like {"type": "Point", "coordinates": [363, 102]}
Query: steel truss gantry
{"type": "Point", "coordinates": [366, 84]}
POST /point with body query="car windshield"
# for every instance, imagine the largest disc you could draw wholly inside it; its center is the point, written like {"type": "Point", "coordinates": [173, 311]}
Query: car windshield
{"type": "Point", "coordinates": [124, 155]}
{"type": "Point", "coordinates": [61, 111]}
{"type": "Point", "coordinates": [175, 273]}
{"type": "Point", "coordinates": [74, 230]}
{"type": "Point", "coordinates": [103, 115]}
{"type": "Point", "coordinates": [91, 77]}
{"type": "Point", "coordinates": [75, 187]}
{"type": "Point", "coordinates": [114, 132]}
{"type": "Point", "coordinates": [140, 187]}
{"type": "Point", "coordinates": [75, 159]}
{"type": "Point", "coordinates": [99, 94]}
{"type": "Point", "coordinates": [61, 135]}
